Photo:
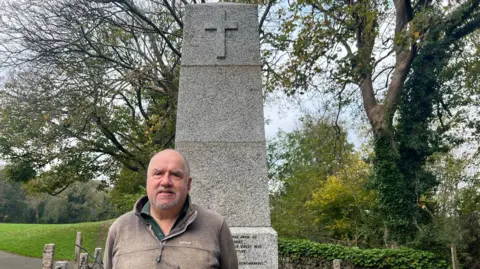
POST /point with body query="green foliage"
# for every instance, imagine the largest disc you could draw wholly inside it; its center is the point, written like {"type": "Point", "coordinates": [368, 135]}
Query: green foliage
{"type": "Point", "coordinates": [19, 172]}
{"type": "Point", "coordinates": [13, 204]}
{"type": "Point", "coordinates": [403, 258]}
{"type": "Point", "coordinates": [129, 187]}
{"type": "Point", "coordinates": [79, 203]}
{"type": "Point", "coordinates": [344, 205]}
{"type": "Point", "coordinates": [402, 176]}
{"type": "Point", "coordinates": [420, 103]}
{"type": "Point", "coordinates": [105, 100]}
{"type": "Point", "coordinates": [423, 101]}
{"type": "Point", "coordinates": [318, 37]}
{"type": "Point", "coordinates": [455, 205]}
{"type": "Point", "coordinates": [395, 201]}
{"type": "Point", "coordinates": [320, 187]}
{"type": "Point", "coordinates": [299, 162]}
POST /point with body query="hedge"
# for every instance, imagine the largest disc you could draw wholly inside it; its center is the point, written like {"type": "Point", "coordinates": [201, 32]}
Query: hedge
{"type": "Point", "coordinates": [403, 258]}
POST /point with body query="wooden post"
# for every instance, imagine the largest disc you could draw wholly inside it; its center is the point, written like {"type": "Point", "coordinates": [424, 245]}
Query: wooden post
{"type": "Point", "coordinates": [61, 265]}
{"type": "Point", "coordinates": [48, 256]}
{"type": "Point", "coordinates": [337, 264]}
{"type": "Point", "coordinates": [78, 250]}
{"type": "Point", "coordinates": [97, 259]}
{"type": "Point", "coordinates": [453, 248]}
{"type": "Point", "coordinates": [83, 261]}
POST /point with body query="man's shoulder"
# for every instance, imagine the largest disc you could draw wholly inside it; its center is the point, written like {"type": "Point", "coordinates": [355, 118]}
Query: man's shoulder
{"type": "Point", "coordinates": [126, 220]}
{"type": "Point", "coordinates": [208, 215]}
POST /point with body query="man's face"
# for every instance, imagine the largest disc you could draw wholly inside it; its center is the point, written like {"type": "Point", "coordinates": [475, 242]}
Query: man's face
{"type": "Point", "coordinates": [167, 182]}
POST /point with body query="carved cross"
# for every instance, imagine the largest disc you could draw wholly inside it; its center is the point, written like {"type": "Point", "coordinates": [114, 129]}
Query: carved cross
{"type": "Point", "coordinates": [221, 26]}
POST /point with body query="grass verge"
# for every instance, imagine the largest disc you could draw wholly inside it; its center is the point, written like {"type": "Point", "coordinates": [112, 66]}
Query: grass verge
{"type": "Point", "coordinates": [30, 239]}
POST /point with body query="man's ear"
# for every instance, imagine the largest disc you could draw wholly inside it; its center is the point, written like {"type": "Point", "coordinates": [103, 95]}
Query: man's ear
{"type": "Point", "coordinates": [189, 183]}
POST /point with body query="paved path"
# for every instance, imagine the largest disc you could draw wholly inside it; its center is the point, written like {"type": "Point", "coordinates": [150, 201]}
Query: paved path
{"type": "Point", "coordinates": [13, 261]}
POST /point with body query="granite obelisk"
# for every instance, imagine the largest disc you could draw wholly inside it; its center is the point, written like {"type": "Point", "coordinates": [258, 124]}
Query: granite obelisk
{"type": "Point", "coordinates": [220, 124]}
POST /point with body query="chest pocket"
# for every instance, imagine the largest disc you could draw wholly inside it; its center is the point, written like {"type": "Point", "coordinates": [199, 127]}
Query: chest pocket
{"type": "Point", "coordinates": [138, 259]}
{"type": "Point", "coordinates": [166, 265]}
{"type": "Point", "coordinates": [178, 257]}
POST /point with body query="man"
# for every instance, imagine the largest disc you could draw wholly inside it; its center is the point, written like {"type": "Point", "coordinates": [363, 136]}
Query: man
{"type": "Point", "coordinates": [165, 230]}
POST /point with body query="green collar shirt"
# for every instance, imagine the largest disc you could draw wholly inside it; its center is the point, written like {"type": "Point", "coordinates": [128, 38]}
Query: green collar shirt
{"type": "Point", "coordinates": [145, 214]}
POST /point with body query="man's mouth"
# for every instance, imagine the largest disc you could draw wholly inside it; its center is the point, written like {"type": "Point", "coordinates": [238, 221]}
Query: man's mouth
{"type": "Point", "coordinates": [165, 194]}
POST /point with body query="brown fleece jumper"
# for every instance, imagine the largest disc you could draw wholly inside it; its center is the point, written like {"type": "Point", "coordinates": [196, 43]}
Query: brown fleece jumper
{"type": "Point", "coordinates": [200, 240]}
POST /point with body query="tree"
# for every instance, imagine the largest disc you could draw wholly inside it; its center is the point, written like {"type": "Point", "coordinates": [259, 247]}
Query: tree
{"type": "Point", "coordinates": [13, 206]}
{"type": "Point", "coordinates": [299, 163]}
{"type": "Point", "coordinates": [345, 48]}
{"type": "Point", "coordinates": [129, 187]}
{"type": "Point", "coordinates": [91, 86]}
{"type": "Point", "coordinates": [19, 172]}
{"type": "Point", "coordinates": [456, 209]}
{"type": "Point", "coordinates": [345, 206]}
{"type": "Point", "coordinates": [81, 202]}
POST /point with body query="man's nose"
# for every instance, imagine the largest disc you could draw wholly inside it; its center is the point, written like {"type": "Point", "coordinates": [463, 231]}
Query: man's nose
{"type": "Point", "coordinates": [166, 181]}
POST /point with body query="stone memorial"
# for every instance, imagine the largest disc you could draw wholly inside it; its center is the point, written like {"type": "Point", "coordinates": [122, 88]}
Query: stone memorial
{"type": "Point", "coordinates": [220, 124]}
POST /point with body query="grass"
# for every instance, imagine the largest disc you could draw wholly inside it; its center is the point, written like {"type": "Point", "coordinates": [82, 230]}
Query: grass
{"type": "Point", "coordinates": [30, 239]}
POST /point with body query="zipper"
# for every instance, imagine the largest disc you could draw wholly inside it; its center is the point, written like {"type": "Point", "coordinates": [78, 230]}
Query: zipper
{"type": "Point", "coordinates": [164, 240]}
{"type": "Point", "coordinates": [162, 243]}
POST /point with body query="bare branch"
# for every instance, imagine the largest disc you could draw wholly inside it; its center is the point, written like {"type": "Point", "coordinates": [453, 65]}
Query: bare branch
{"type": "Point", "coordinates": [131, 7]}
{"type": "Point", "coordinates": [265, 13]}
{"type": "Point", "coordinates": [173, 13]}
{"type": "Point", "coordinates": [383, 70]}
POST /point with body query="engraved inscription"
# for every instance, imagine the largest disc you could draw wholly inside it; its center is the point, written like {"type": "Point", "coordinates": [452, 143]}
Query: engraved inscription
{"type": "Point", "coordinates": [247, 247]}
{"type": "Point", "coordinates": [221, 26]}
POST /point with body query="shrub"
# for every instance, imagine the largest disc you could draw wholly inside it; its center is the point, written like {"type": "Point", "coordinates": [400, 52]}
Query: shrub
{"type": "Point", "coordinates": [403, 258]}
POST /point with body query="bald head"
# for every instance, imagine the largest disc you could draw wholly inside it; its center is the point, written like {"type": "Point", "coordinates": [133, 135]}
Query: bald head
{"type": "Point", "coordinates": [171, 153]}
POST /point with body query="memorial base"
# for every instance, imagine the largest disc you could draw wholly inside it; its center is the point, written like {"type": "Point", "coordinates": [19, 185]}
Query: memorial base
{"type": "Point", "coordinates": [257, 247]}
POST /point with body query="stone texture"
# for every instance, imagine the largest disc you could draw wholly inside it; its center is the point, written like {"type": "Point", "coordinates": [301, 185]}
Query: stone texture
{"type": "Point", "coordinates": [97, 259]}
{"type": "Point", "coordinates": [48, 256]}
{"type": "Point", "coordinates": [231, 179]}
{"type": "Point", "coordinates": [61, 265]}
{"type": "Point", "coordinates": [78, 245]}
{"type": "Point", "coordinates": [201, 45]}
{"type": "Point", "coordinates": [337, 264]}
{"type": "Point", "coordinates": [224, 104]}
{"type": "Point", "coordinates": [315, 263]}
{"type": "Point", "coordinates": [256, 247]}
{"type": "Point", "coordinates": [83, 261]}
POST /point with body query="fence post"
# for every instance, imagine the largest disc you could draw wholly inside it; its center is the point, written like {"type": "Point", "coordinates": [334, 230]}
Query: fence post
{"type": "Point", "coordinates": [78, 250]}
{"type": "Point", "coordinates": [48, 256]}
{"type": "Point", "coordinates": [97, 259]}
{"type": "Point", "coordinates": [83, 261]}
{"type": "Point", "coordinates": [61, 265]}
{"type": "Point", "coordinates": [453, 249]}
{"type": "Point", "coordinates": [337, 264]}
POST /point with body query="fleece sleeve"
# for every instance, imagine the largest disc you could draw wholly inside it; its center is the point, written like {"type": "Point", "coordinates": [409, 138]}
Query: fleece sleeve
{"type": "Point", "coordinates": [109, 246]}
{"type": "Point", "coordinates": [228, 254]}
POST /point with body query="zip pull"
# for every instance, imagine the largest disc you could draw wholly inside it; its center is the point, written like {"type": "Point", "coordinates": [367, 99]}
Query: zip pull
{"type": "Point", "coordinates": [159, 258]}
